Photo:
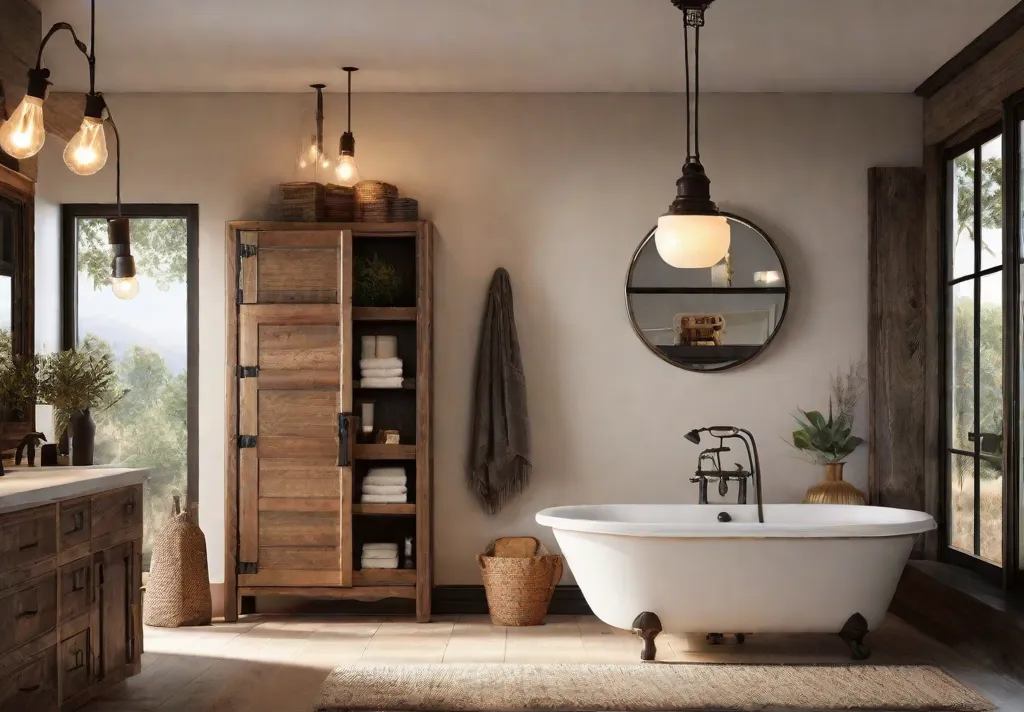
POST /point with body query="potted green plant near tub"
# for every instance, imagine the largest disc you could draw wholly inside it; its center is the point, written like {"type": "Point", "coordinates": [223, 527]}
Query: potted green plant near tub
{"type": "Point", "coordinates": [75, 383]}
{"type": "Point", "coordinates": [829, 441]}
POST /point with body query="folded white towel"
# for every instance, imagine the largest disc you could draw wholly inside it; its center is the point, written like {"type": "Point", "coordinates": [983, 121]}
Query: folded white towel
{"type": "Point", "coordinates": [381, 372]}
{"type": "Point", "coordinates": [387, 346]}
{"type": "Point", "coordinates": [382, 546]}
{"type": "Point", "coordinates": [380, 363]}
{"type": "Point", "coordinates": [379, 555]}
{"type": "Point", "coordinates": [384, 481]}
{"type": "Point", "coordinates": [384, 498]}
{"type": "Point", "coordinates": [391, 563]}
{"type": "Point", "coordinates": [385, 472]}
{"type": "Point", "coordinates": [381, 382]}
{"type": "Point", "coordinates": [383, 489]}
{"type": "Point", "coordinates": [369, 347]}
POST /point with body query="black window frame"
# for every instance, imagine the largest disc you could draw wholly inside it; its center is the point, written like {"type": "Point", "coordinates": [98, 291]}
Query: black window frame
{"type": "Point", "coordinates": [70, 213]}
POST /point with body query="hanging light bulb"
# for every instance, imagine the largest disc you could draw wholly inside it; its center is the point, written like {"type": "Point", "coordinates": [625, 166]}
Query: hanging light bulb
{"type": "Point", "coordinates": [311, 153]}
{"type": "Point", "coordinates": [86, 153]}
{"type": "Point", "coordinates": [24, 133]}
{"type": "Point", "coordinates": [693, 234]}
{"type": "Point", "coordinates": [122, 266]}
{"type": "Point", "coordinates": [348, 171]}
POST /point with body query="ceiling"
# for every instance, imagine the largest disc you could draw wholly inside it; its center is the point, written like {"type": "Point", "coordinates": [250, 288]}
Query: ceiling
{"type": "Point", "coordinates": [512, 45]}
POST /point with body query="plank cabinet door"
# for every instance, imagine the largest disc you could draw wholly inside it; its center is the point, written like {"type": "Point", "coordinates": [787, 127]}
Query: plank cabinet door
{"type": "Point", "coordinates": [294, 481]}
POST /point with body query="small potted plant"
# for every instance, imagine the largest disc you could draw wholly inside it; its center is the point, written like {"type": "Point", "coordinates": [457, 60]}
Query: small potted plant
{"type": "Point", "coordinates": [75, 383]}
{"type": "Point", "coordinates": [17, 386]}
{"type": "Point", "coordinates": [829, 441]}
{"type": "Point", "coordinates": [377, 283]}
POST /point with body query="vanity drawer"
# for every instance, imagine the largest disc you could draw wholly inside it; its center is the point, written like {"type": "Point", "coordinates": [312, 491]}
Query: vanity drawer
{"type": "Point", "coordinates": [27, 537]}
{"type": "Point", "coordinates": [33, 686]}
{"type": "Point", "coordinates": [76, 662]}
{"type": "Point", "coordinates": [28, 612]}
{"type": "Point", "coordinates": [76, 587]}
{"type": "Point", "coordinates": [116, 510]}
{"type": "Point", "coordinates": [75, 523]}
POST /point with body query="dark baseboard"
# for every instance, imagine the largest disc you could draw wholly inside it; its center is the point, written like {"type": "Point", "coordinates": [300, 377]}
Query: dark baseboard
{"type": "Point", "coordinates": [453, 600]}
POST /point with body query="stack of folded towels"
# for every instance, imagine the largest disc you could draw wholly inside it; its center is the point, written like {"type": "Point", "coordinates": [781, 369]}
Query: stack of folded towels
{"type": "Point", "coordinates": [385, 485]}
{"type": "Point", "coordinates": [379, 364]}
{"type": "Point", "coordinates": [379, 556]}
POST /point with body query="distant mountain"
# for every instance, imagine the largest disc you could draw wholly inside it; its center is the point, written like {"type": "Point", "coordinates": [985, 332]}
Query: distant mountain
{"type": "Point", "coordinates": [171, 343]}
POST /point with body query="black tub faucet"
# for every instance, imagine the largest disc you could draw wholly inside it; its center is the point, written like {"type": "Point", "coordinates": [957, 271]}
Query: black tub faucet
{"type": "Point", "coordinates": [726, 432]}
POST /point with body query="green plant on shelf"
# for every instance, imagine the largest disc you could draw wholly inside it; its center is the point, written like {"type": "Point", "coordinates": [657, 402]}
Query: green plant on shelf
{"type": "Point", "coordinates": [377, 283]}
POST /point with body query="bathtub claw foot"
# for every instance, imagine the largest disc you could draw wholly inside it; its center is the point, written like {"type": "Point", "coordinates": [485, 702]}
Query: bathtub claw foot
{"type": "Point", "coordinates": [853, 635]}
{"type": "Point", "coordinates": [647, 625]}
{"type": "Point", "coordinates": [715, 638]}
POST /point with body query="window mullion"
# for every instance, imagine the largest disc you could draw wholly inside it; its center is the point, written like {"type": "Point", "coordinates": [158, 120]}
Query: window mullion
{"type": "Point", "coordinates": [978, 171]}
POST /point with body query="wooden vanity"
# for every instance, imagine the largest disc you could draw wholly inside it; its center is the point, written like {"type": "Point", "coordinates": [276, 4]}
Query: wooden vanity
{"type": "Point", "coordinates": [70, 580]}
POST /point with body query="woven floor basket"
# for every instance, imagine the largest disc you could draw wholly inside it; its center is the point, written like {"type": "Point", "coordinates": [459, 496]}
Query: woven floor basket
{"type": "Point", "coordinates": [178, 590]}
{"type": "Point", "coordinates": [519, 588]}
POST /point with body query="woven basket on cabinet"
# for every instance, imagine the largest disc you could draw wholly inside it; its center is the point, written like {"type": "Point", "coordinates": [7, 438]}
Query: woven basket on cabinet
{"type": "Point", "coordinates": [519, 587]}
{"type": "Point", "coordinates": [178, 588]}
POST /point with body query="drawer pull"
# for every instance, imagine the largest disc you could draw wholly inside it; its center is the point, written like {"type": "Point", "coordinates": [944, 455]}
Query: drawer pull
{"type": "Point", "coordinates": [30, 688]}
{"type": "Point", "coordinates": [79, 661]}
{"type": "Point", "coordinates": [26, 547]}
{"type": "Point", "coordinates": [28, 614]}
{"type": "Point", "coordinates": [130, 507]}
{"type": "Point", "coordinates": [78, 521]}
{"type": "Point", "coordinates": [78, 580]}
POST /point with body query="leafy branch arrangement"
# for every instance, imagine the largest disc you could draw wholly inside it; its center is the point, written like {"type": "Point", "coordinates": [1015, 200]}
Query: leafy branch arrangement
{"type": "Point", "coordinates": [75, 381]}
{"type": "Point", "coordinates": [377, 283]}
{"type": "Point", "coordinates": [830, 441]}
{"type": "Point", "coordinates": [17, 379]}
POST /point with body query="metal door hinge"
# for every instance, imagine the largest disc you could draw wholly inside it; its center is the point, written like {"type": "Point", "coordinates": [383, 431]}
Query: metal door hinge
{"type": "Point", "coordinates": [247, 250]}
{"type": "Point", "coordinates": [247, 567]}
{"type": "Point", "coordinates": [247, 371]}
{"type": "Point", "coordinates": [246, 441]}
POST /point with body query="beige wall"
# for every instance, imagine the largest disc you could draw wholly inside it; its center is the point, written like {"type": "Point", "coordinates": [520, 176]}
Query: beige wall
{"type": "Point", "coordinates": [559, 189]}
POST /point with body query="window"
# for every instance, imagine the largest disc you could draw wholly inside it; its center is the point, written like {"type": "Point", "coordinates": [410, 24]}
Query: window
{"type": "Point", "coordinates": [974, 358]}
{"type": "Point", "coordinates": [152, 339]}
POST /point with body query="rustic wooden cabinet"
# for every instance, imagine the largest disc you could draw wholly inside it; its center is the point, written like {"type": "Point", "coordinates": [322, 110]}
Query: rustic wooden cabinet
{"type": "Point", "coordinates": [295, 461]}
{"type": "Point", "coordinates": [70, 580]}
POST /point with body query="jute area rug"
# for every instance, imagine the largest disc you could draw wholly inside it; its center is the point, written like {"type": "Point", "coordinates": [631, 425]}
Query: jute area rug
{"type": "Point", "coordinates": [642, 688]}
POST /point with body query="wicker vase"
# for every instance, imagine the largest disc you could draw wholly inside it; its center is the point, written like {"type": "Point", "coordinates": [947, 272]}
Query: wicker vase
{"type": "Point", "coordinates": [834, 490]}
{"type": "Point", "coordinates": [178, 590]}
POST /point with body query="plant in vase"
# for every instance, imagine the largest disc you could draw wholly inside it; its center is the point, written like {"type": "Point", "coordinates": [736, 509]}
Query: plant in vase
{"type": "Point", "coordinates": [75, 383]}
{"type": "Point", "coordinates": [17, 386]}
{"type": "Point", "coordinates": [829, 441]}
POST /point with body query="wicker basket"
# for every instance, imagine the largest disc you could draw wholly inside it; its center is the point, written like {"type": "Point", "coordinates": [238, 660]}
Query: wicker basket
{"type": "Point", "coordinates": [304, 202]}
{"type": "Point", "coordinates": [373, 211]}
{"type": "Point", "coordinates": [370, 190]}
{"type": "Point", "coordinates": [699, 329]}
{"type": "Point", "coordinates": [178, 587]}
{"type": "Point", "coordinates": [404, 210]}
{"type": "Point", "coordinates": [519, 587]}
{"type": "Point", "coordinates": [340, 203]}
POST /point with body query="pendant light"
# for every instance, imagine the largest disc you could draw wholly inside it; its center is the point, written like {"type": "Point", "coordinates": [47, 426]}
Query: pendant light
{"type": "Point", "coordinates": [312, 154]}
{"type": "Point", "coordinates": [348, 172]}
{"type": "Point", "coordinates": [24, 134]}
{"type": "Point", "coordinates": [693, 234]}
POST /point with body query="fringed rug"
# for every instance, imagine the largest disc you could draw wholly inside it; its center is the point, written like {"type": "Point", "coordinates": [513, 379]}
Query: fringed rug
{"type": "Point", "coordinates": [642, 688]}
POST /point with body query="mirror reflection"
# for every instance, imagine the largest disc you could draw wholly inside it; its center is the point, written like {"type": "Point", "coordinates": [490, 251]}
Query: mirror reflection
{"type": "Point", "coordinates": [709, 319]}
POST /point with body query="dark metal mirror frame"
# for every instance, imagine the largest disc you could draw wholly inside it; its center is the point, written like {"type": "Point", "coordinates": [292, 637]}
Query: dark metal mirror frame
{"type": "Point", "coordinates": [738, 362]}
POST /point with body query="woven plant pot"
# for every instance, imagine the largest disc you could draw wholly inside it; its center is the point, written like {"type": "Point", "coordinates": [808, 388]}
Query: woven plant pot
{"type": "Point", "coordinates": [178, 589]}
{"type": "Point", "coordinates": [519, 588]}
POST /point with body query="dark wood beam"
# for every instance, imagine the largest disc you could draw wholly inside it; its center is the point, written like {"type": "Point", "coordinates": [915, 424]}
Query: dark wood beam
{"type": "Point", "coordinates": [1004, 28]}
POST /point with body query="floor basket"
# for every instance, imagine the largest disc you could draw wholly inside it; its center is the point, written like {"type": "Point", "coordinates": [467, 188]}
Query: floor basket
{"type": "Point", "coordinates": [178, 587]}
{"type": "Point", "coordinates": [519, 576]}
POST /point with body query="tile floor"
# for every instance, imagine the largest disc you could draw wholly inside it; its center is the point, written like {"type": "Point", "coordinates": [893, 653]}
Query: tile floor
{"type": "Point", "coordinates": [276, 663]}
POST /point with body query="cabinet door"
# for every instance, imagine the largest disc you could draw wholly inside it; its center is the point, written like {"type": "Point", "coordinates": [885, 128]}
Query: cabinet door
{"type": "Point", "coordinates": [118, 580]}
{"type": "Point", "coordinates": [294, 329]}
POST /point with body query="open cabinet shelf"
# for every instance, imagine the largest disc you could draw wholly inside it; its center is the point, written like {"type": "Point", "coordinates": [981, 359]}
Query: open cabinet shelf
{"type": "Point", "coordinates": [294, 523]}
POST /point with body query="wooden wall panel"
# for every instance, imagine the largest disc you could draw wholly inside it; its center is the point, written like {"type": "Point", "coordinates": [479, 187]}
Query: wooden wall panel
{"type": "Point", "coordinates": [896, 337]}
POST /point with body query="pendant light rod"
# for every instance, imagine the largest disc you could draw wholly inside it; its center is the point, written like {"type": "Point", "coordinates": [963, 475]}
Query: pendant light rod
{"type": "Point", "coordinates": [349, 71]}
{"type": "Point", "coordinates": [319, 117]}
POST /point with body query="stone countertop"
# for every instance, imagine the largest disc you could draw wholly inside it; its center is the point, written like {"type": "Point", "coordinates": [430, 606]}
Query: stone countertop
{"type": "Point", "coordinates": [24, 487]}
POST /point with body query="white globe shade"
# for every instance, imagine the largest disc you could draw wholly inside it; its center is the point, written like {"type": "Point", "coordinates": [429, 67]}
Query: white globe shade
{"type": "Point", "coordinates": [692, 241]}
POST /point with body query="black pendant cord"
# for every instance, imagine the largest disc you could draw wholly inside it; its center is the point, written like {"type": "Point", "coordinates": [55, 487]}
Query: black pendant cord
{"type": "Point", "coordinates": [349, 101]}
{"type": "Point", "coordinates": [696, 95]}
{"type": "Point", "coordinates": [117, 159]}
{"type": "Point", "coordinates": [686, 61]}
{"type": "Point", "coordinates": [92, 47]}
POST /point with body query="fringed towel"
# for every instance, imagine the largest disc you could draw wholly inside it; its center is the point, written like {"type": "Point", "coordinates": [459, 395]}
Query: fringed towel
{"type": "Point", "coordinates": [499, 465]}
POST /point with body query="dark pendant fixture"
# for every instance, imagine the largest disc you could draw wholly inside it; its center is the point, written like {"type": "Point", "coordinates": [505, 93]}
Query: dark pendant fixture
{"type": "Point", "coordinates": [693, 234]}
{"type": "Point", "coordinates": [313, 153]}
{"type": "Point", "coordinates": [348, 172]}
{"type": "Point", "coordinates": [23, 134]}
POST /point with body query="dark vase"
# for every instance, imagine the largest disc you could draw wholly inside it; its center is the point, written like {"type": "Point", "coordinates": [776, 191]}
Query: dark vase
{"type": "Point", "coordinates": [83, 437]}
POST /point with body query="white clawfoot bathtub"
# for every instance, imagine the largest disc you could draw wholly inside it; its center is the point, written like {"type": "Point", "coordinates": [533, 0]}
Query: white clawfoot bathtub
{"type": "Point", "coordinates": [807, 569]}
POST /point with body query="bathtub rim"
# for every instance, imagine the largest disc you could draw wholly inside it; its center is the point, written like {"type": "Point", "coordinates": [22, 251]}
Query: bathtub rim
{"type": "Point", "coordinates": [906, 523]}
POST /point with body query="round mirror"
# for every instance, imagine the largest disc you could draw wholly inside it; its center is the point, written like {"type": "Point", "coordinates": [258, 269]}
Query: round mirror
{"type": "Point", "coordinates": [710, 319]}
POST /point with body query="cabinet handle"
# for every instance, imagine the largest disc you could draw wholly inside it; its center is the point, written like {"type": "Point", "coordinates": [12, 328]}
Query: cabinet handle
{"type": "Point", "coordinates": [79, 661]}
{"type": "Point", "coordinates": [130, 507]}
{"type": "Point", "coordinates": [28, 614]}
{"type": "Point", "coordinates": [78, 580]}
{"type": "Point", "coordinates": [78, 521]}
{"type": "Point", "coordinates": [26, 547]}
{"type": "Point", "coordinates": [30, 688]}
